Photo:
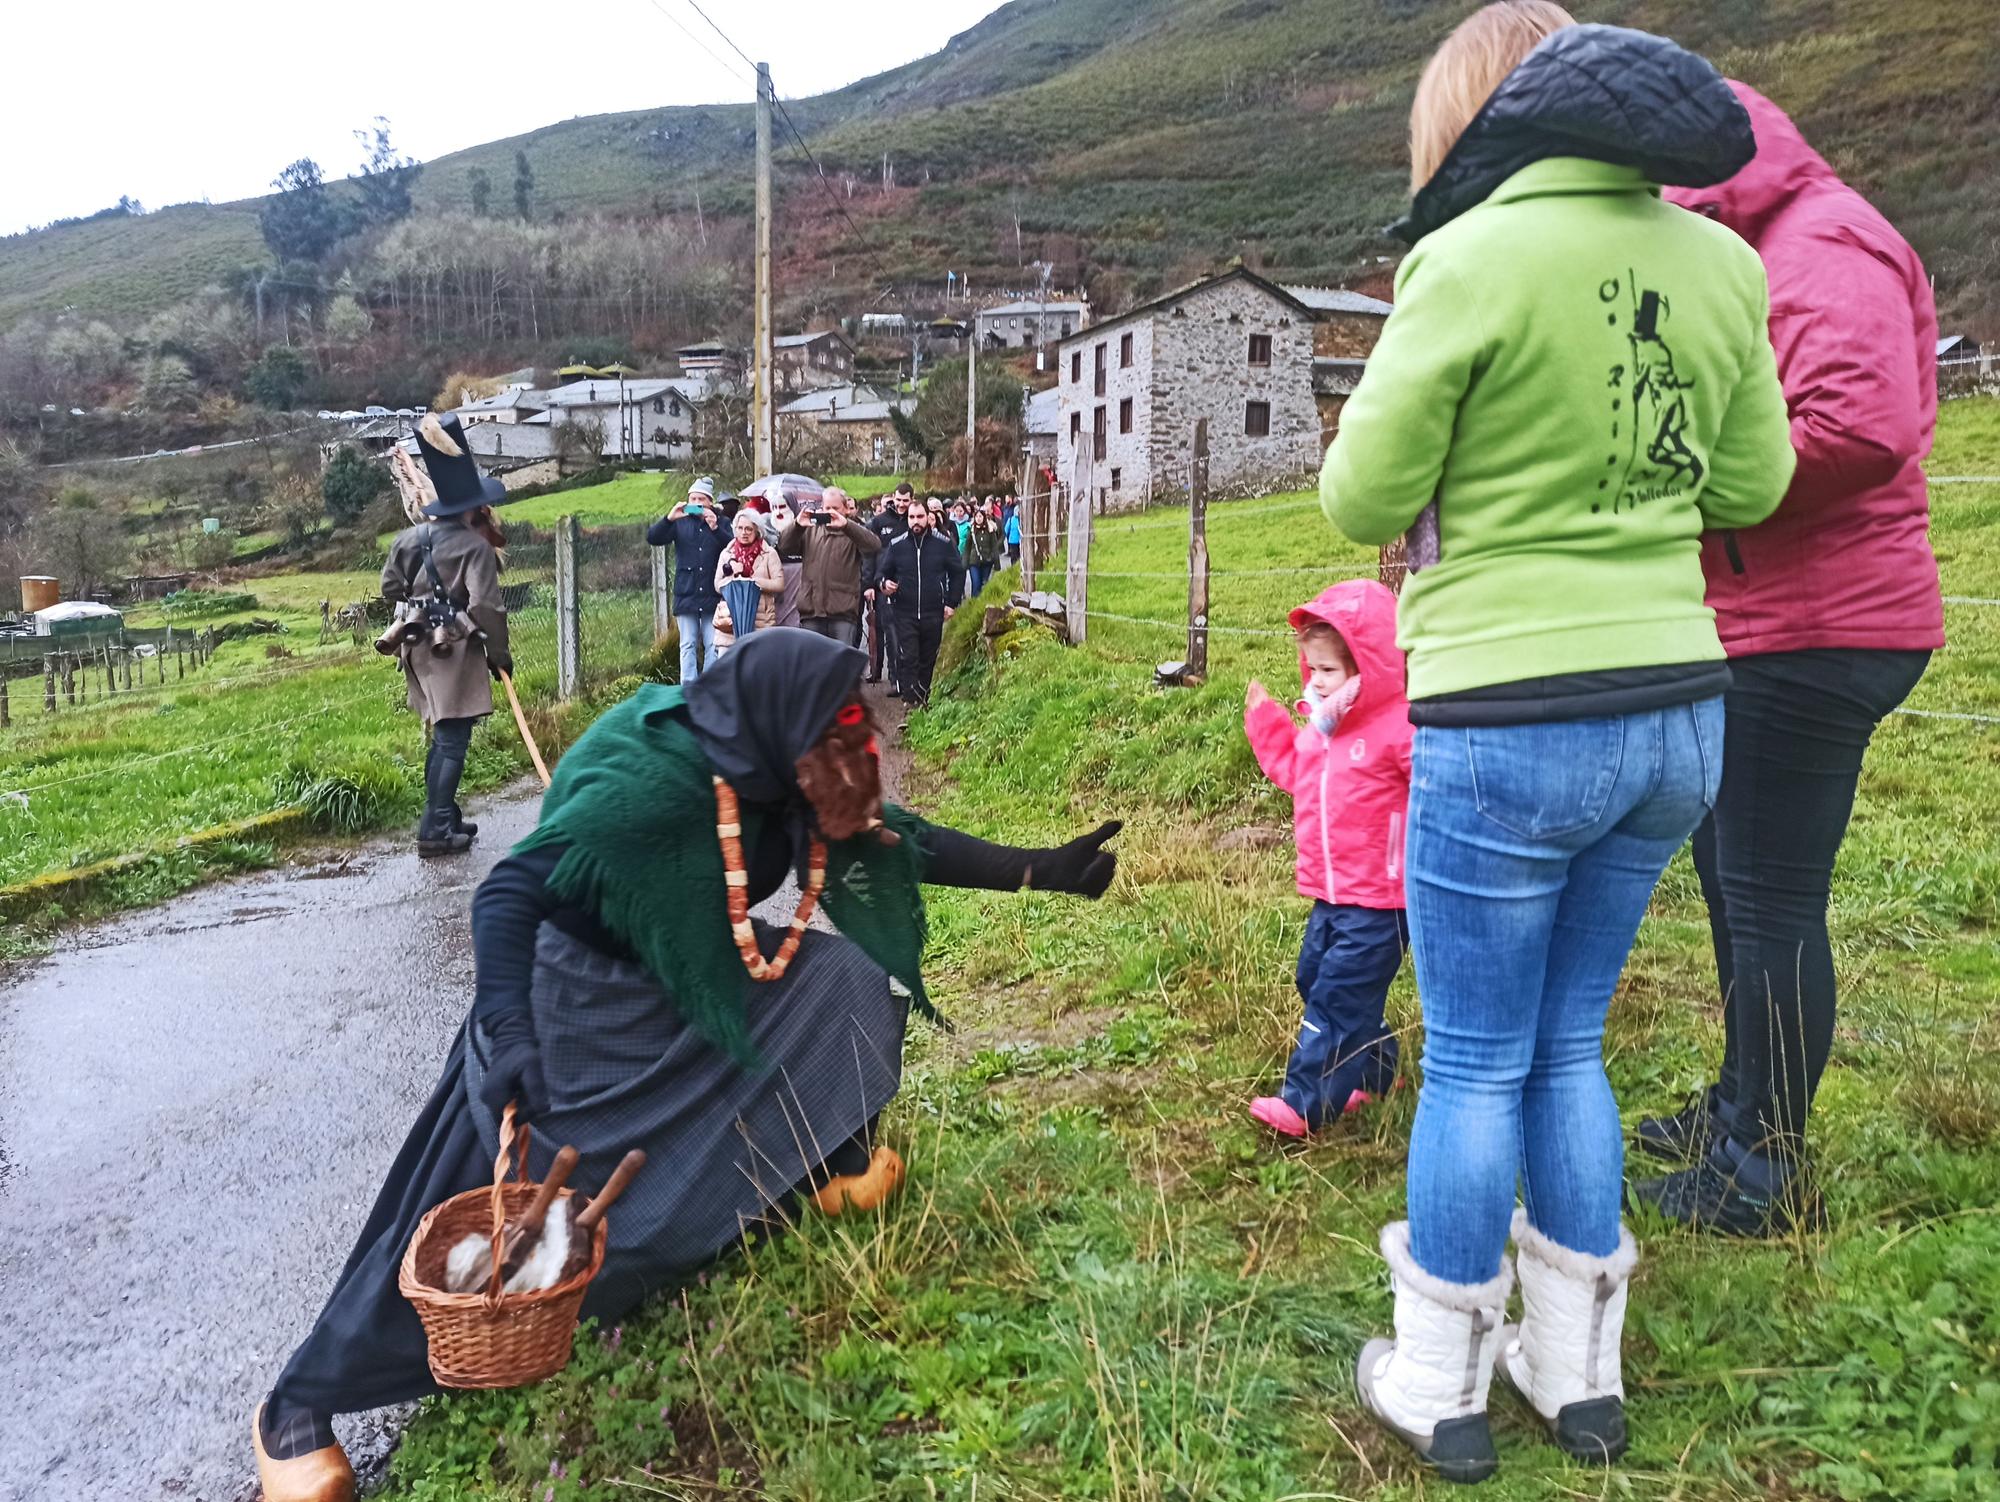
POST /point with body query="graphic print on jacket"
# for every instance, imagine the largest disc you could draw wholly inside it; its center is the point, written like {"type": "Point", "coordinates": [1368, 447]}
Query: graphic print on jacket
{"type": "Point", "coordinates": [1660, 418]}
{"type": "Point", "coordinates": [1349, 788]}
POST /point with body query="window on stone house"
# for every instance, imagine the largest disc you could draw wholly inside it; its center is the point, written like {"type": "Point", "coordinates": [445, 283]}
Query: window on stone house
{"type": "Point", "coordinates": [659, 407]}
{"type": "Point", "coordinates": [1076, 427]}
{"type": "Point", "coordinates": [1102, 350]}
{"type": "Point", "coordinates": [1116, 476]}
{"type": "Point", "coordinates": [1260, 349]}
{"type": "Point", "coordinates": [1125, 352]}
{"type": "Point", "coordinates": [1257, 420]}
{"type": "Point", "coordinates": [1075, 363]}
{"type": "Point", "coordinates": [1125, 415]}
{"type": "Point", "coordinates": [1097, 434]}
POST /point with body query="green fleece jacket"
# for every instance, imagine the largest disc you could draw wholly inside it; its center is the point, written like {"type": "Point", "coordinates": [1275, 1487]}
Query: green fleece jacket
{"type": "Point", "coordinates": [1579, 375]}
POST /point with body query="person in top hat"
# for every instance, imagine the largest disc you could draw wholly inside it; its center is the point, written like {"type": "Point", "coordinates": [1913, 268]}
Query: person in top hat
{"type": "Point", "coordinates": [447, 569]}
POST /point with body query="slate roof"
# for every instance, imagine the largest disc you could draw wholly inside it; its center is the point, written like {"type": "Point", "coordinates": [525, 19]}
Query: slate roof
{"type": "Point", "coordinates": [1340, 300]}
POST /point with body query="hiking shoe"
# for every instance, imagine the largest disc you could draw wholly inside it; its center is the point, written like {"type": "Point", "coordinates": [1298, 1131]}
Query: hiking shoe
{"type": "Point", "coordinates": [455, 843]}
{"type": "Point", "coordinates": [1683, 1137]}
{"type": "Point", "coordinates": [1707, 1197]}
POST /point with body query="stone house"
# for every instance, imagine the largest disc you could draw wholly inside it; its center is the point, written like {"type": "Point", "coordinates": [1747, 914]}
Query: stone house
{"type": "Point", "coordinates": [1023, 325]}
{"type": "Point", "coordinates": [804, 362]}
{"type": "Point", "coordinates": [848, 425]}
{"type": "Point", "coordinates": [647, 417]}
{"type": "Point", "coordinates": [1345, 328]}
{"type": "Point", "coordinates": [1232, 348]}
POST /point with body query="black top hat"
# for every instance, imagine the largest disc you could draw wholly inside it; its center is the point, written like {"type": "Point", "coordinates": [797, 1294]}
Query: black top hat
{"type": "Point", "coordinates": [459, 484]}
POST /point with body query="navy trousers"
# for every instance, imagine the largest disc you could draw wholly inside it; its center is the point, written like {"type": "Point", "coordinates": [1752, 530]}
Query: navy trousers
{"type": "Point", "coordinates": [1350, 956]}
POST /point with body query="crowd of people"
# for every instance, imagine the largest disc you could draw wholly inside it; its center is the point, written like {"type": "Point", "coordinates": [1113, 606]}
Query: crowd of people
{"type": "Point", "coordinates": [1654, 460]}
{"type": "Point", "coordinates": [888, 579]}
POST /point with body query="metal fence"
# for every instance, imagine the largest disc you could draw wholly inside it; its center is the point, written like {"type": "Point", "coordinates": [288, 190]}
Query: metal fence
{"type": "Point", "coordinates": [585, 606]}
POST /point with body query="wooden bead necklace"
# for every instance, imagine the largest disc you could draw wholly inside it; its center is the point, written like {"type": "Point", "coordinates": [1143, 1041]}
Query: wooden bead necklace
{"type": "Point", "coordinates": [736, 880]}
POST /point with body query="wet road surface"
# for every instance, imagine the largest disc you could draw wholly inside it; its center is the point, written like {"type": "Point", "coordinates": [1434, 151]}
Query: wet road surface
{"type": "Point", "coordinates": [197, 1104]}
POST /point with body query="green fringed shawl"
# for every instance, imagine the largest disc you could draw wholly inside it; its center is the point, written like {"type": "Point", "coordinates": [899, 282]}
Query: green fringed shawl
{"type": "Point", "coordinates": [634, 800]}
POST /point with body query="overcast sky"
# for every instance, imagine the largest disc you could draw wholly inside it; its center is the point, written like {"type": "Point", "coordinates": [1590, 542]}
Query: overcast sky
{"type": "Point", "coordinates": [209, 98]}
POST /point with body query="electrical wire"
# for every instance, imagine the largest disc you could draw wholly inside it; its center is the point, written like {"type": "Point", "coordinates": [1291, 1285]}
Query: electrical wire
{"type": "Point", "coordinates": [720, 62]}
{"type": "Point", "coordinates": [723, 34]}
{"type": "Point", "coordinates": [831, 197]}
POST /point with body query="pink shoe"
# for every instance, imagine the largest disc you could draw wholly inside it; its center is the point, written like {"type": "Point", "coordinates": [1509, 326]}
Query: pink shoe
{"type": "Point", "coordinates": [1356, 1101]}
{"type": "Point", "coordinates": [1279, 1117]}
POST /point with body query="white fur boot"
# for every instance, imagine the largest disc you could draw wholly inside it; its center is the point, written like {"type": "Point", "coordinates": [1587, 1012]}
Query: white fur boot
{"type": "Point", "coordinates": [1563, 1356]}
{"type": "Point", "coordinates": [1428, 1386]}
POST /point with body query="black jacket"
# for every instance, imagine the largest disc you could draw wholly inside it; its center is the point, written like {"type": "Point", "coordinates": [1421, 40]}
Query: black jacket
{"type": "Point", "coordinates": [1603, 92]}
{"type": "Point", "coordinates": [928, 577]}
{"type": "Point", "coordinates": [887, 525]}
{"type": "Point", "coordinates": [697, 549]}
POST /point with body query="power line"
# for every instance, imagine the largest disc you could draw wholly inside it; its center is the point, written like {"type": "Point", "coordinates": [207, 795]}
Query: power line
{"type": "Point", "coordinates": [831, 197]}
{"type": "Point", "coordinates": [723, 34]}
{"type": "Point", "coordinates": [720, 62]}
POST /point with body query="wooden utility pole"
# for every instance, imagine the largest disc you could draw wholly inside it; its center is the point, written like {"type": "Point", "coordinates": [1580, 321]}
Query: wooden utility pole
{"type": "Point", "coordinates": [763, 405]}
{"type": "Point", "coordinates": [1197, 649]}
{"type": "Point", "coordinates": [972, 408]}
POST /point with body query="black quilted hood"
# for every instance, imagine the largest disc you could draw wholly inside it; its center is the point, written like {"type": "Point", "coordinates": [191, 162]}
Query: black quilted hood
{"type": "Point", "coordinates": [1604, 92]}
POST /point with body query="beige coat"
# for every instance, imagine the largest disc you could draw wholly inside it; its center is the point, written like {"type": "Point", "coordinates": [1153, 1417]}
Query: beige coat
{"type": "Point", "coordinates": [767, 573]}
{"type": "Point", "coordinates": [459, 685]}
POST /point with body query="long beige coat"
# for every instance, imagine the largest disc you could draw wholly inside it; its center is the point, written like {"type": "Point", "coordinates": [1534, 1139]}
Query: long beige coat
{"type": "Point", "coordinates": [459, 685]}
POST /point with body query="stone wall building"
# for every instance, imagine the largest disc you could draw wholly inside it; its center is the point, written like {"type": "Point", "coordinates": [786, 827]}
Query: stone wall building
{"type": "Point", "coordinates": [1232, 348]}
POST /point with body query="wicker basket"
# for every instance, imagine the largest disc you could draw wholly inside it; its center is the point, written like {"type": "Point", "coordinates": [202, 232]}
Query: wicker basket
{"type": "Point", "coordinates": [492, 1339]}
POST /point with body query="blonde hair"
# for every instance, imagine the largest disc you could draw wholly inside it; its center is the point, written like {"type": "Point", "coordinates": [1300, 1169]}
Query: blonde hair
{"type": "Point", "coordinates": [1463, 73]}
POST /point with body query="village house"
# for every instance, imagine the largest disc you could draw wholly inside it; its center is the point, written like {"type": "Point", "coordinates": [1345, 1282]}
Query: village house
{"type": "Point", "coordinates": [712, 361]}
{"type": "Point", "coordinates": [1232, 348]}
{"type": "Point", "coordinates": [514, 405]}
{"type": "Point", "coordinates": [1041, 421]}
{"type": "Point", "coordinates": [804, 362]}
{"type": "Point", "coordinates": [1023, 325]}
{"type": "Point", "coordinates": [645, 418]}
{"type": "Point", "coordinates": [1345, 327]}
{"type": "Point", "coordinates": [845, 426]}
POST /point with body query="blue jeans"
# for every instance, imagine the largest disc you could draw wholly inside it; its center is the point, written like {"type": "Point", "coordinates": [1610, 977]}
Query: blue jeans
{"type": "Point", "coordinates": [1345, 966]}
{"type": "Point", "coordinates": [697, 643]}
{"type": "Point", "coordinates": [976, 575]}
{"type": "Point", "coordinates": [1533, 851]}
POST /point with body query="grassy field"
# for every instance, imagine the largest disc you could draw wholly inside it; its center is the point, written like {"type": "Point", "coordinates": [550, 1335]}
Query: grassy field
{"type": "Point", "coordinates": [1102, 1282]}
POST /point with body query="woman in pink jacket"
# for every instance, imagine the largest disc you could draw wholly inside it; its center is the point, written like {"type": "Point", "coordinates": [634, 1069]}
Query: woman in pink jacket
{"type": "Point", "coordinates": [1348, 771]}
{"type": "Point", "coordinates": [1829, 612]}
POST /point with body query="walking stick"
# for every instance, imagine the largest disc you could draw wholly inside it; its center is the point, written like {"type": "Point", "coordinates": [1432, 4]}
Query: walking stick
{"type": "Point", "coordinates": [521, 724]}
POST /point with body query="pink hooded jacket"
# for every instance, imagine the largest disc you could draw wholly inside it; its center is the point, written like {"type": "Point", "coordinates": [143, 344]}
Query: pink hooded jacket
{"type": "Point", "coordinates": [1350, 789]}
{"type": "Point", "coordinates": [1846, 560]}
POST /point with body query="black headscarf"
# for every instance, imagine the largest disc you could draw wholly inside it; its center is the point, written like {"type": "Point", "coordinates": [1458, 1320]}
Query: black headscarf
{"type": "Point", "coordinates": [766, 702]}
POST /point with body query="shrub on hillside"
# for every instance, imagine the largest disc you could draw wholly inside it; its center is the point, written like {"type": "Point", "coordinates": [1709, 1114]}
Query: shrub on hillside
{"type": "Point", "coordinates": [195, 604]}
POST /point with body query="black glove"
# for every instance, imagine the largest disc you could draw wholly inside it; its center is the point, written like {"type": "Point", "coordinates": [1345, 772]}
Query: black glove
{"type": "Point", "coordinates": [501, 664]}
{"type": "Point", "coordinates": [514, 1072]}
{"type": "Point", "coordinates": [1083, 866]}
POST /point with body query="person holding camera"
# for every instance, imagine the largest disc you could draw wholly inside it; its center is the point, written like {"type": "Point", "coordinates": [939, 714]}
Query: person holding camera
{"type": "Point", "coordinates": [923, 575]}
{"type": "Point", "coordinates": [832, 548]}
{"type": "Point", "coordinates": [444, 578]}
{"type": "Point", "coordinates": [694, 531]}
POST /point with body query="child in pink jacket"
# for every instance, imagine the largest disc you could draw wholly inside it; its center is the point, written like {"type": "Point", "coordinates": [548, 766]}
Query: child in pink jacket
{"type": "Point", "coordinates": [1348, 771]}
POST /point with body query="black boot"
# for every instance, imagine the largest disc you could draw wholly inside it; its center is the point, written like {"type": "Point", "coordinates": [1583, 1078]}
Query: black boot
{"type": "Point", "coordinates": [436, 837]}
{"type": "Point", "coordinates": [1683, 1137]}
{"type": "Point", "coordinates": [462, 824]}
{"type": "Point", "coordinates": [1734, 1194]}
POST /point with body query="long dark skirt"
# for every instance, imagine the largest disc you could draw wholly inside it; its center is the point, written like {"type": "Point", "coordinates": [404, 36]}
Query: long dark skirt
{"type": "Point", "coordinates": [724, 1144]}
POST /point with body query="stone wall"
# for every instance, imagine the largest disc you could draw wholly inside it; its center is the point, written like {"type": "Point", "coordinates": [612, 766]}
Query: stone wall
{"type": "Point", "coordinates": [1129, 454]}
{"type": "Point", "coordinates": [1347, 336]}
{"type": "Point", "coordinates": [1201, 368]}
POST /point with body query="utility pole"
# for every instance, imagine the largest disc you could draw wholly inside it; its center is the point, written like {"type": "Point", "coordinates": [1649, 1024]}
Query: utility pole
{"type": "Point", "coordinates": [762, 403]}
{"type": "Point", "coordinates": [972, 408]}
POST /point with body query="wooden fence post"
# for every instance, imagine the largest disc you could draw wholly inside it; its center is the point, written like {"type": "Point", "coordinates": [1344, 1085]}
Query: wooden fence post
{"type": "Point", "coordinates": [69, 677]}
{"type": "Point", "coordinates": [1197, 649]}
{"type": "Point", "coordinates": [663, 594]}
{"type": "Point", "coordinates": [569, 656]}
{"type": "Point", "coordinates": [48, 684]}
{"type": "Point", "coordinates": [6, 718]}
{"type": "Point", "coordinates": [1026, 518]}
{"type": "Point", "coordinates": [125, 669]}
{"type": "Point", "coordinates": [1076, 591]}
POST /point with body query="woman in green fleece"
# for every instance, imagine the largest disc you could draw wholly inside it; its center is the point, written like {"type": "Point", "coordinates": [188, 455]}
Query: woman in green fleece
{"type": "Point", "coordinates": [1576, 382]}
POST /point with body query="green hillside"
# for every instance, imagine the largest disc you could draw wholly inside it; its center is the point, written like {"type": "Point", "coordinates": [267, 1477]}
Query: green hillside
{"type": "Point", "coordinates": [1151, 139]}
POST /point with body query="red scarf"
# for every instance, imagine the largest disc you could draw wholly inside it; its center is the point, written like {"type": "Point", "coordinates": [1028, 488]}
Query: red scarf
{"type": "Point", "coordinates": [746, 558]}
